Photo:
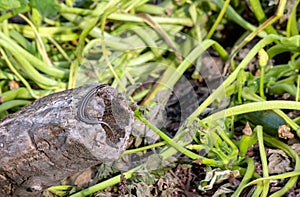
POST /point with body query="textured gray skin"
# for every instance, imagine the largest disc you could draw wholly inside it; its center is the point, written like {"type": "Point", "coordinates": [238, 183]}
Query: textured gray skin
{"type": "Point", "coordinates": [46, 141]}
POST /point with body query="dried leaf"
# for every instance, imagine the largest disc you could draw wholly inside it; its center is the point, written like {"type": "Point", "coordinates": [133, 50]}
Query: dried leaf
{"type": "Point", "coordinates": [278, 162]}
{"type": "Point", "coordinates": [285, 132]}
{"type": "Point", "coordinates": [216, 176]}
{"type": "Point", "coordinates": [247, 130]}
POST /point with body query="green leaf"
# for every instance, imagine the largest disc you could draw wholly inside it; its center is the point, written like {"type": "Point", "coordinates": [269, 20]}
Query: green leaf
{"type": "Point", "coordinates": [36, 16]}
{"type": "Point", "coordinates": [292, 27]}
{"type": "Point", "coordinates": [13, 4]}
{"type": "Point", "coordinates": [46, 8]}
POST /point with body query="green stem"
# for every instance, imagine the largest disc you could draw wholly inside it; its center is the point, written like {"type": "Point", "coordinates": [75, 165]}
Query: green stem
{"type": "Point", "coordinates": [169, 81]}
{"type": "Point", "coordinates": [60, 49]}
{"type": "Point", "coordinates": [258, 190]}
{"type": "Point", "coordinates": [220, 91]}
{"type": "Point", "coordinates": [40, 45]}
{"type": "Point", "coordinates": [128, 17]}
{"type": "Point", "coordinates": [30, 70]}
{"type": "Point", "coordinates": [286, 148]}
{"type": "Point", "coordinates": [12, 68]}
{"type": "Point", "coordinates": [15, 49]}
{"type": "Point", "coordinates": [234, 150]}
{"type": "Point", "coordinates": [263, 157]}
{"type": "Point", "coordinates": [246, 142]}
{"type": "Point", "coordinates": [292, 175]}
{"type": "Point", "coordinates": [21, 93]}
{"type": "Point", "coordinates": [260, 15]}
{"type": "Point", "coordinates": [298, 88]}
{"type": "Point", "coordinates": [220, 17]}
{"type": "Point", "coordinates": [136, 150]}
{"type": "Point", "coordinates": [14, 103]}
{"type": "Point", "coordinates": [110, 182]}
{"type": "Point", "coordinates": [233, 15]}
{"type": "Point", "coordinates": [90, 23]}
{"type": "Point", "coordinates": [64, 33]}
{"type": "Point", "coordinates": [151, 9]}
{"type": "Point", "coordinates": [261, 82]}
{"type": "Point", "coordinates": [246, 178]}
{"type": "Point", "coordinates": [252, 107]}
{"type": "Point", "coordinates": [172, 143]}
{"type": "Point", "coordinates": [250, 95]}
{"type": "Point", "coordinates": [103, 46]}
{"type": "Point", "coordinates": [291, 28]}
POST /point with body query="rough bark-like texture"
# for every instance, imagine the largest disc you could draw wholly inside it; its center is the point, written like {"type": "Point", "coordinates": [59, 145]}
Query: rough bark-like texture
{"type": "Point", "coordinates": [45, 142]}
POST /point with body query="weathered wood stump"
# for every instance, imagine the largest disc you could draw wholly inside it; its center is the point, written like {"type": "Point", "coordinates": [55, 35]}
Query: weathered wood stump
{"type": "Point", "coordinates": [59, 135]}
